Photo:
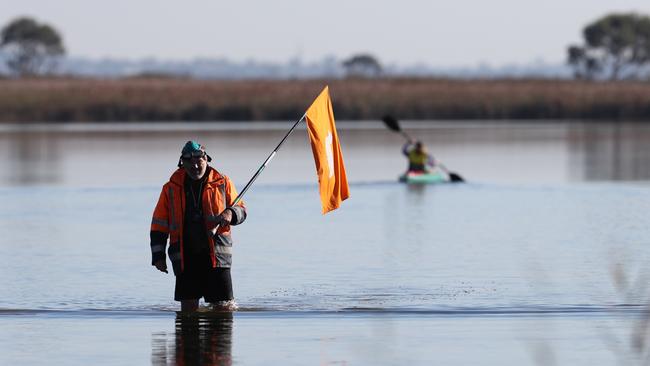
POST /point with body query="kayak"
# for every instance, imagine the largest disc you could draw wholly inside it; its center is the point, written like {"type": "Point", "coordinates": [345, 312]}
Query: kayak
{"type": "Point", "coordinates": [423, 178]}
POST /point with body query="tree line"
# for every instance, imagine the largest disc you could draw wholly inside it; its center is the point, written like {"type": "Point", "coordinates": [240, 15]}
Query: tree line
{"type": "Point", "coordinates": [616, 47]}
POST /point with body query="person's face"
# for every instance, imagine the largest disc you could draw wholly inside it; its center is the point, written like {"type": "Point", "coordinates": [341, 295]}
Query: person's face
{"type": "Point", "coordinates": [195, 166]}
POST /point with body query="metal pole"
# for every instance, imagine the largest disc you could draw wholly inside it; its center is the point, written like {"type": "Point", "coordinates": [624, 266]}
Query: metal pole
{"type": "Point", "coordinates": [266, 162]}
{"type": "Point", "coordinates": [261, 168]}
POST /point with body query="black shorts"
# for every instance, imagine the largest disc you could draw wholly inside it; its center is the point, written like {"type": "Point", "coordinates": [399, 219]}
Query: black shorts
{"type": "Point", "coordinates": [199, 280]}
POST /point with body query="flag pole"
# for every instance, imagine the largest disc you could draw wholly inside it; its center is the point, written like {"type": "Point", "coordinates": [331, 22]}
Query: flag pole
{"type": "Point", "coordinates": [266, 162]}
{"type": "Point", "coordinates": [261, 168]}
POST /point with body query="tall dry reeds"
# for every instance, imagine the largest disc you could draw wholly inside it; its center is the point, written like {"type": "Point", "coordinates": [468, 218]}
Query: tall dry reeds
{"type": "Point", "coordinates": [177, 99]}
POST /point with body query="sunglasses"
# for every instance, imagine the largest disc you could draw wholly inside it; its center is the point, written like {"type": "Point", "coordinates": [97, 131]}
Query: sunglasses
{"type": "Point", "coordinates": [193, 154]}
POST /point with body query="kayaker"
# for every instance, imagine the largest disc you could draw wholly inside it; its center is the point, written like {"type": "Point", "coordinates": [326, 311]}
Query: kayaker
{"type": "Point", "coordinates": [195, 202]}
{"type": "Point", "coordinates": [419, 159]}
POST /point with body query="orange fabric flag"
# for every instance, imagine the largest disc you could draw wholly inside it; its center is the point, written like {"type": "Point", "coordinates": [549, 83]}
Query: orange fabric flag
{"type": "Point", "coordinates": [325, 145]}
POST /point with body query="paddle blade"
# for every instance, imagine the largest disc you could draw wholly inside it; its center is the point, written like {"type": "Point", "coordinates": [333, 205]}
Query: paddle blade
{"type": "Point", "coordinates": [391, 123]}
{"type": "Point", "coordinates": [455, 178]}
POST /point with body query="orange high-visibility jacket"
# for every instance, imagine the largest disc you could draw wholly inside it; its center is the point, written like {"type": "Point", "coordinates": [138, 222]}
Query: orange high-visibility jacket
{"type": "Point", "coordinates": [219, 193]}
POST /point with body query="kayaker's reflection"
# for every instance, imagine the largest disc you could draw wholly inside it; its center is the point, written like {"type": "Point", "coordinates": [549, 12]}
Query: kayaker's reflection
{"type": "Point", "coordinates": [202, 339]}
{"type": "Point", "coordinates": [418, 190]}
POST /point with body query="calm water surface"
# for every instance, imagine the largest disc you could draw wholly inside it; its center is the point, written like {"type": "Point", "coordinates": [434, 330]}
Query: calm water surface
{"type": "Point", "coordinates": [539, 259]}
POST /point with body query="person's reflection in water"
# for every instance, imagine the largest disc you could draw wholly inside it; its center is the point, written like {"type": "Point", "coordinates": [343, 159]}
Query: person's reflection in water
{"type": "Point", "coordinates": [200, 339]}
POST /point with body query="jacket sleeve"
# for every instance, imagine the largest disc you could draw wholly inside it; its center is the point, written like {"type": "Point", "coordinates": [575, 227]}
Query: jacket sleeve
{"type": "Point", "coordinates": [431, 161]}
{"type": "Point", "coordinates": [239, 210]}
{"type": "Point", "coordinates": [159, 228]}
{"type": "Point", "coordinates": [406, 149]}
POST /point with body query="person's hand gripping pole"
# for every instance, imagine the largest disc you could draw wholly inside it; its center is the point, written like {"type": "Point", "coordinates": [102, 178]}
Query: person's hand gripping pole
{"type": "Point", "coordinates": [224, 219]}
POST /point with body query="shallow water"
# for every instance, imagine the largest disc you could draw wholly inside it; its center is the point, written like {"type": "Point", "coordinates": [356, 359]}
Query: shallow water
{"type": "Point", "coordinates": [538, 259]}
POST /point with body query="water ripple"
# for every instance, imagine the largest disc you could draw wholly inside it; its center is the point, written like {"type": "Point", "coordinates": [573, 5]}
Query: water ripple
{"type": "Point", "coordinates": [243, 311]}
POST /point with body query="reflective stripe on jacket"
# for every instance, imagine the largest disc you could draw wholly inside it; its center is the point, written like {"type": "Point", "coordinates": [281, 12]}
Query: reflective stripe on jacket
{"type": "Point", "coordinates": [219, 193]}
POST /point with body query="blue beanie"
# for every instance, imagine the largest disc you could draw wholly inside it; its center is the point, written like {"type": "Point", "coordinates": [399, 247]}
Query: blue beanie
{"type": "Point", "coordinates": [192, 146]}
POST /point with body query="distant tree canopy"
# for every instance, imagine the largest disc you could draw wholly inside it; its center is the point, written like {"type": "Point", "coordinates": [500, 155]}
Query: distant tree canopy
{"type": "Point", "coordinates": [616, 47]}
{"type": "Point", "coordinates": [362, 65]}
{"type": "Point", "coordinates": [31, 48]}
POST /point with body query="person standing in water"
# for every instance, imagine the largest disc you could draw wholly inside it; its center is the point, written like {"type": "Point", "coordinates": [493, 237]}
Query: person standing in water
{"type": "Point", "coordinates": [195, 213]}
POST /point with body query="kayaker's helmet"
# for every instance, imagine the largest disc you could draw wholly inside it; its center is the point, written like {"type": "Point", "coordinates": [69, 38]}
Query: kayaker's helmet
{"type": "Point", "coordinates": [192, 149]}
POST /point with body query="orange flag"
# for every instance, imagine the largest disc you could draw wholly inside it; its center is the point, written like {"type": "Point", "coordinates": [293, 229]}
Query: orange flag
{"type": "Point", "coordinates": [327, 152]}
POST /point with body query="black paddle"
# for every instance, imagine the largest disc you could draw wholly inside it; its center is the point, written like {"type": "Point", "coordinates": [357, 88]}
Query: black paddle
{"type": "Point", "coordinates": [393, 125]}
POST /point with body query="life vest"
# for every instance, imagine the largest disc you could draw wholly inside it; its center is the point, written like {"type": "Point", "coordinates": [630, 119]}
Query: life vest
{"type": "Point", "coordinates": [417, 160]}
{"type": "Point", "coordinates": [218, 194]}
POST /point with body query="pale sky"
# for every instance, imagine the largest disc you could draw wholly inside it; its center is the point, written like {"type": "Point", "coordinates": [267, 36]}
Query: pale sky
{"type": "Point", "coordinates": [450, 33]}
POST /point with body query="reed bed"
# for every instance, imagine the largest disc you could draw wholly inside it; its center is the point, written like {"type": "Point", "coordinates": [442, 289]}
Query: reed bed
{"type": "Point", "coordinates": [178, 99]}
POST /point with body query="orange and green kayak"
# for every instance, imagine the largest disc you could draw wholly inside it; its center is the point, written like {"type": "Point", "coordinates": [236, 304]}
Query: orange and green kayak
{"type": "Point", "coordinates": [423, 178]}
